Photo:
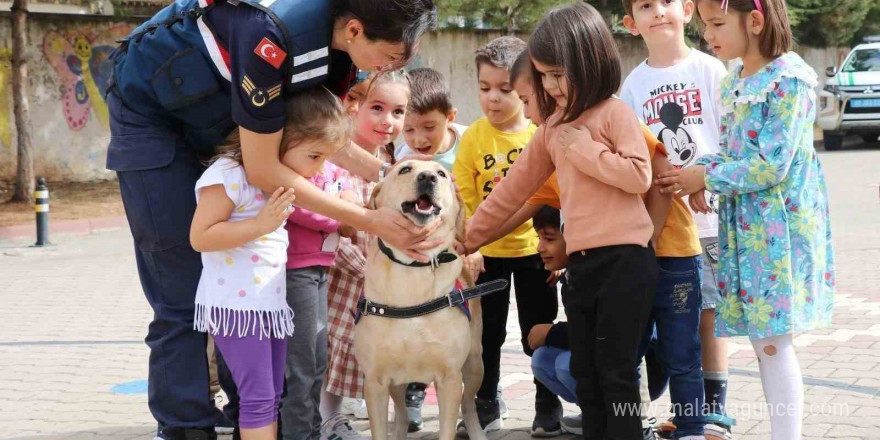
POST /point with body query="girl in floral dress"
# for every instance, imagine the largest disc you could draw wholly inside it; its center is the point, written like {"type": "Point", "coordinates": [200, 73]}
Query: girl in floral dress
{"type": "Point", "coordinates": [776, 272]}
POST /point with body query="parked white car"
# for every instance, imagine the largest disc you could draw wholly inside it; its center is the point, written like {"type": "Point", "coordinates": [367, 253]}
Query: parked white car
{"type": "Point", "coordinates": [850, 101]}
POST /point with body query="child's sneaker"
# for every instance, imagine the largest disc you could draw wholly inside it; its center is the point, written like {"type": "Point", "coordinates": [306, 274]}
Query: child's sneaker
{"type": "Point", "coordinates": [338, 428]}
{"type": "Point", "coordinates": [502, 405]}
{"type": "Point", "coordinates": [573, 424]}
{"type": "Point", "coordinates": [354, 407]}
{"type": "Point", "coordinates": [547, 419]}
{"type": "Point", "coordinates": [488, 415]}
{"type": "Point", "coordinates": [415, 397]}
{"type": "Point", "coordinates": [718, 427]}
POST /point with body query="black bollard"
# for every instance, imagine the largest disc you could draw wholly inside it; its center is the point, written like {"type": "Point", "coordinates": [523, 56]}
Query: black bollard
{"type": "Point", "coordinates": [41, 206]}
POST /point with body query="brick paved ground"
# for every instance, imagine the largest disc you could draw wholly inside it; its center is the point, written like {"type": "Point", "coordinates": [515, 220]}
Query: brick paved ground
{"type": "Point", "coordinates": [73, 362]}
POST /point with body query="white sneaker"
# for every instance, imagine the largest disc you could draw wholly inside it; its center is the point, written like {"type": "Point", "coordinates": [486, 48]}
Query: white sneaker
{"type": "Point", "coordinates": [338, 428]}
{"type": "Point", "coordinates": [355, 407]}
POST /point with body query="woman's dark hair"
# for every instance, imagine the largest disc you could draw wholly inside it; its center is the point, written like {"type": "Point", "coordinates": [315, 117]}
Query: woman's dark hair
{"type": "Point", "coordinates": [547, 217]}
{"type": "Point", "coordinates": [577, 39]}
{"type": "Point", "coordinates": [394, 21]}
{"type": "Point", "coordinates": [775, 39]}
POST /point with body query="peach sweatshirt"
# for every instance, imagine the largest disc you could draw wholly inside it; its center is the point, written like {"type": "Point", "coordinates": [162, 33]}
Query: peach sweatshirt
{"type": "Point", "coordinates": [601, 181]}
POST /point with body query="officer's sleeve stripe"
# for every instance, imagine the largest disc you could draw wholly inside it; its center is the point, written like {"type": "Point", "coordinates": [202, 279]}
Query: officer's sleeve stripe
{"type": "Point", "coordinates": [213, 49]}
{"type": "Point", "coordinates": [311, 56]}
{"type": "Point", "coordinates": [309, 74]}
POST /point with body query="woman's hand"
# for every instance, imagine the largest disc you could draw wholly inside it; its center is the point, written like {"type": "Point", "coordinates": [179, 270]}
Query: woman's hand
{"type": "Point", "coordinates": [685, 181]}
{"type": "Point", "coordinates": [398, 231]}
{"type": "Point", "coordinates": [276, 210]}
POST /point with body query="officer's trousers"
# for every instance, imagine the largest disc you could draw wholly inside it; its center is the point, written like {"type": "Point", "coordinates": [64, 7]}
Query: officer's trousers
{"type": "Point", "coordinates": [157, 175]}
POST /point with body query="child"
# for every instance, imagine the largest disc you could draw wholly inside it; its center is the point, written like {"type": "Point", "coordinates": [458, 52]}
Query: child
{"type": "Point", "coordinates": [429, 127]}
{"type": "Point", "coordinates": [313, 242]}
{"type": "Point", "coordinates": [240, 298]}
{"type": "Point", "coordinates": [488, 148]}
{"type": "Point", "coordinates": [377, 122]}
{"type": "Point", "coordinates": [603, 166]}
{"type": "Point", "coordinates": [550, 362]}
{"type": "Point", "coordinates": [776, 270]}
{"type": "Point", "coordinates": [674, 91]}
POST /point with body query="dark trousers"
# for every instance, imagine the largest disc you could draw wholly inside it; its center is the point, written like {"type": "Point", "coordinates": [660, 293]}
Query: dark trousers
{"type": "Point", "coordinates": [536, 303]}
{"type": "Point", "coordinates": [676, 313]}
{"type": "Point", "coordinates": [306, 354]}
{"type": "Point", "coordinates": [157, 175]}
{"type": "Point", "coordinates": [610, 290]}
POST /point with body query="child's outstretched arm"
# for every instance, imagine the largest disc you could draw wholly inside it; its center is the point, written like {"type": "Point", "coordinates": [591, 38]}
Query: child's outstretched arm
{"type": "Point", "coordinates": [532, 168]}
{"type": "Point", "coordinates": [776, 143]}
{"type": "Point", "coordinates": [656, 202]}
{"type": "Point", "coordinates": [212, 231]}
{"type": "Point", "coordinates": [628, 167]}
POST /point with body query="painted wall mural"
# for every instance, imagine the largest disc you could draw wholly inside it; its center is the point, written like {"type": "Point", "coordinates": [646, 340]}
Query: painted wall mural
{"type": "Point", "coordinates": [79, 58]}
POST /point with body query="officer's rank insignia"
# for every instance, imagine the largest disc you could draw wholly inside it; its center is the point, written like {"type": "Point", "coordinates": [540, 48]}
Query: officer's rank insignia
{"type": "Point", "coordinates": [259, 97]}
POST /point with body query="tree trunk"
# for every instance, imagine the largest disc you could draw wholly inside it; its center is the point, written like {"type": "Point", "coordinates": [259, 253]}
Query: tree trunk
{"type": "Point", "coordinates": [24, 188]}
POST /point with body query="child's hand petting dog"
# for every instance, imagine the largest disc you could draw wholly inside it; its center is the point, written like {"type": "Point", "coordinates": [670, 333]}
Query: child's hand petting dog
{"type": "Point", "coordinates": [473, 263]}
{"type": "Point", "coordinates": [538, 335]}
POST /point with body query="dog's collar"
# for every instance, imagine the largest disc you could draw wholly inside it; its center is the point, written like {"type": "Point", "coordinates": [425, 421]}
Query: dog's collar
{"type": "Point", "coordinates": [442, 257]}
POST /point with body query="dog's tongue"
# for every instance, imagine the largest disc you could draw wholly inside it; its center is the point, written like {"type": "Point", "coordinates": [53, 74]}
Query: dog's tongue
{"type": "Point", "coordinates": [424, 204]}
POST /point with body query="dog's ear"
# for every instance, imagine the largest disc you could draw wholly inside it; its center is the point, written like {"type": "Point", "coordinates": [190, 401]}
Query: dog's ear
{"type": "Point", "coordinates": [460, 216]}
{"type": "Point", "coordinates": [374, 195]}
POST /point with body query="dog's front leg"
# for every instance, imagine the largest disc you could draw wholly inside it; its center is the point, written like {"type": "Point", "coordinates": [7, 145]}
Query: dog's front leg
{"type": "Point", "coordinates": [401, 418]}
{"type": "Point", "coordinates": [376, 395]}
{"type": "Point", "coordinates": [449, 400]}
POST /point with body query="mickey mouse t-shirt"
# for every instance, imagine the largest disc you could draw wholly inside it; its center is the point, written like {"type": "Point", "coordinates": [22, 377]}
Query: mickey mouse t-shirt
{"type": "Point", "coordinates": [680, 105]}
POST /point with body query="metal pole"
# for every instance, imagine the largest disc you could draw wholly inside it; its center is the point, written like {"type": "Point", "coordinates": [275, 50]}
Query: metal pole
{"type": "Point", "coordinates": [41, 206]}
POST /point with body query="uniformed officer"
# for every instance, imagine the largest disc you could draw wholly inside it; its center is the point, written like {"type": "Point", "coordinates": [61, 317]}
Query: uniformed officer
{"type": "Point", "coordinates": [181, 82]}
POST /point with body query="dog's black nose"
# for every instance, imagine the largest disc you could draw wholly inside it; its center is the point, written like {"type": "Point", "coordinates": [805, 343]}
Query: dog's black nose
{"type": "Point", "coordinates": [427, 176]}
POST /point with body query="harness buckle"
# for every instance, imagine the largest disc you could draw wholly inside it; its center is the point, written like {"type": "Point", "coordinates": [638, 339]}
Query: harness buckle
{"type": "Point", "coordinates": [457, 301]}
{"type": "Point", "coordinates": [366, 310]}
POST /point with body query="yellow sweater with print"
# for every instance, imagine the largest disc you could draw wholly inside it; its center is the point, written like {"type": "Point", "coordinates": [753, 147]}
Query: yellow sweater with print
{"type": "Point", "coordinates": [484, 156]}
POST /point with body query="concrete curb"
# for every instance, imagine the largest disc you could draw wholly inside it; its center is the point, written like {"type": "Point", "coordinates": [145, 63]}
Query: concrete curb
{"type": "Point", "coordinates": [65, 227]}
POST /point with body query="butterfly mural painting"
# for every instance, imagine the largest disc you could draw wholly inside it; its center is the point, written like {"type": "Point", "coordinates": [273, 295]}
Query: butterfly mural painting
{"type": "Point", "coordinates": [83, 68]}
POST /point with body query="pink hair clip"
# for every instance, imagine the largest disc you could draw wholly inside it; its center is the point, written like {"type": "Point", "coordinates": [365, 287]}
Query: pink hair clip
{"type": "Point", "coordinates": [726, 3]}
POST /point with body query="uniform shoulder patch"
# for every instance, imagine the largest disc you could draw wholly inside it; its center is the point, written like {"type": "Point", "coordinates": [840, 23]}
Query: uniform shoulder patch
{"type": "Point", "coordinates": [259, 96]}
{"type": "Point", "coordinates": [270, 52]}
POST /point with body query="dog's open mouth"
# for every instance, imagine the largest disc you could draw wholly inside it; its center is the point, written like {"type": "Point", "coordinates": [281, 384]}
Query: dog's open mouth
{"type": "Point", "coordinates": [421, 207]}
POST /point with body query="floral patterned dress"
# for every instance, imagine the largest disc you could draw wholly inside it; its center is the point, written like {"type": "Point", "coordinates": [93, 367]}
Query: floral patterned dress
{"type": "Point", "coordinates": [776, 273]}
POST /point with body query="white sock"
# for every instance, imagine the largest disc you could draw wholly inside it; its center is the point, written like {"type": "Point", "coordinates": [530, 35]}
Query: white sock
{"type": "Point", "coordinates": [331, 404]}
{"type": "Point", "coordinates": [783, 385]}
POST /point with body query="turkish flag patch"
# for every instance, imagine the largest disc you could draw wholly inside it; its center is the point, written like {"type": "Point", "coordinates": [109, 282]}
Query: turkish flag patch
{"type": "Point", "coordinates": [270, 52]}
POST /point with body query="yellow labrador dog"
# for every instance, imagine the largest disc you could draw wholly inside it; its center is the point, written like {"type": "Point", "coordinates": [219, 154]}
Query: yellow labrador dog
{"type": "Point", "coordinates": [441, 347]}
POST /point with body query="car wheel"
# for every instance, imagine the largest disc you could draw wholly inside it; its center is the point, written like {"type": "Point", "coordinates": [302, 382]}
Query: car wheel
{"type": "Point", "coordinates": [870, 138]}
{"type": "Point", "coordinates": [833, 142]}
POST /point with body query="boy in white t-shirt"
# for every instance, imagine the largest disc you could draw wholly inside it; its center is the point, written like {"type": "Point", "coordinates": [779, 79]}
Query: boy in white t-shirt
{"type": "Point", "coordinates": [429, 127]}
{"type": "Point", "coordinates": [674, 92]}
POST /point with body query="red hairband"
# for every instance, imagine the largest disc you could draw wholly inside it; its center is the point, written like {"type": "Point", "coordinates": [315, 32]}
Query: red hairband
{"type": "Point", "coordinates": [724, 4]}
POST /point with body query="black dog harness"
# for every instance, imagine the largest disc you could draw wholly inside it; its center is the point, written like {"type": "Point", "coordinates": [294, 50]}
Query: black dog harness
{"type": "Point", "coordinates": [457, 298]}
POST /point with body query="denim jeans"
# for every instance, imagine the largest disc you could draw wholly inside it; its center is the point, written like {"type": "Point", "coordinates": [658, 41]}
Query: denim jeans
{"type": "Point", "coordinates": [676, 313]}
{"type": "Point", "coordinates": [551, 366]}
